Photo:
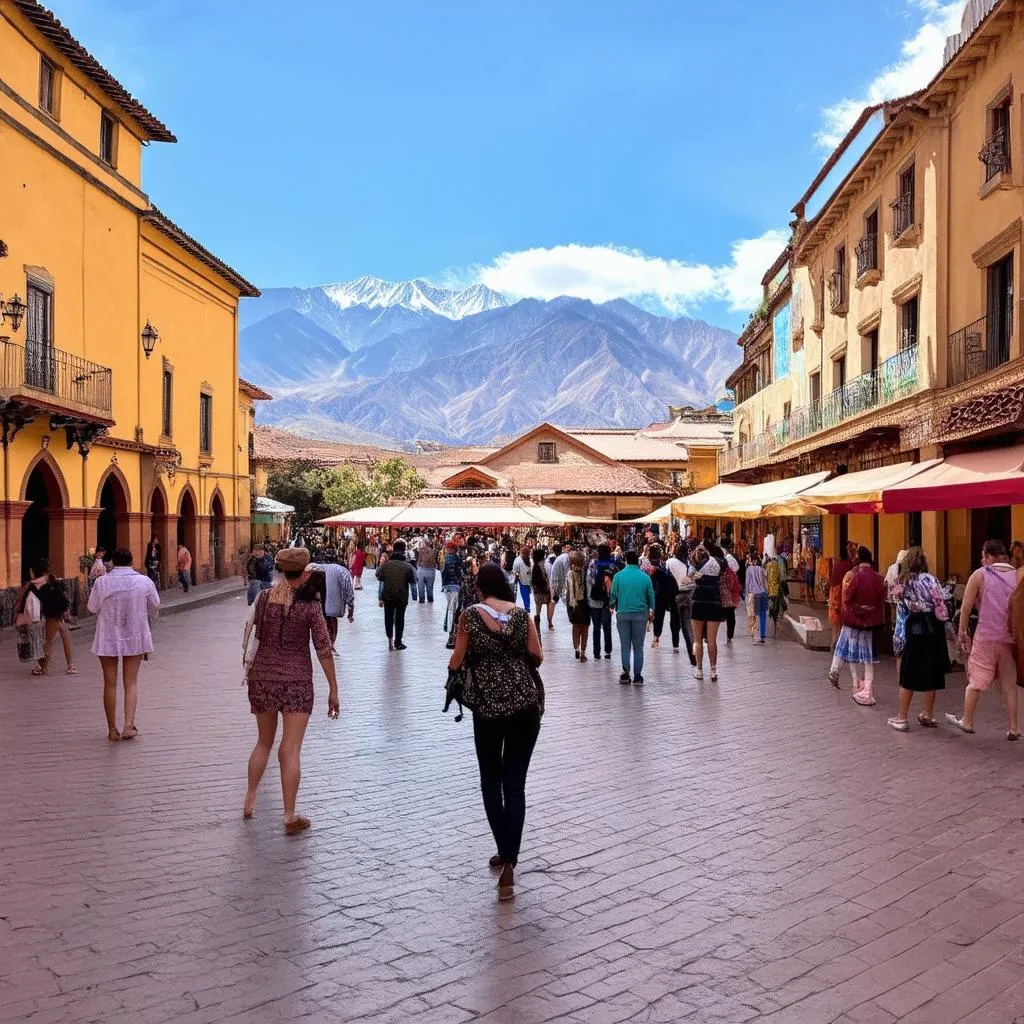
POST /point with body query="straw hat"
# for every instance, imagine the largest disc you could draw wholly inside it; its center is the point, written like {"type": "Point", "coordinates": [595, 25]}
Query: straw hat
{"type": "Point", "coordinates": [292, 559]}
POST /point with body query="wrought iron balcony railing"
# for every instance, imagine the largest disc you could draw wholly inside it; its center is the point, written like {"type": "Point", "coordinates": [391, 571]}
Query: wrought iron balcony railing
{"type": "Point", "coordinates": [55, 379]}
{"type": "Point", "coordinates": [902, 214]}
{"type": "Point", "coordinates": [976, 349]}
{"type": "Point", "coordinates": [896, 378]}
{"type": "Point", "coordinates": [866, 251]}
{"type": "Point", "coordinates": [995, 154]}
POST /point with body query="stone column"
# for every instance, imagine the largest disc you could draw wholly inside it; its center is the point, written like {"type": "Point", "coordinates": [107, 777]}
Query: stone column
{"type": "Point", "coordinates": [72, 533]}
{"type": "Point", "coordinates": [203, 555]}
{"type": "Point", "coordinates": [166, 530]}
{"type": "Point", "coordinates": [138, 530]}
{"type": "Point", "coordinates": [11, 515]}
{"type": "Point", "coordinates": [933, 540]}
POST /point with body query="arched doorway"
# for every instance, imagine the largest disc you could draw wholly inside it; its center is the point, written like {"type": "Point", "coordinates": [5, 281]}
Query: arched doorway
{"type": "Point", "coordinates": [112, 525]}
{"type": "Point", "coordinates": [187, 526]}
{"type": "Point", "coordinates": [217, 535]}
{"type": "Point", "coordinates": [40, 533]}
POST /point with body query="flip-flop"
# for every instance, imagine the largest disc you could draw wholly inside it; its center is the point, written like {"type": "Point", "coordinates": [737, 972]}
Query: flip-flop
{"type": "Point", "coordinates": [864, 702]}
{"type": "Point", "coordinates": [957, 722]}
{"type": "Point", "coordinates": [72, 671]}
{"type": "Point", "coordinates": [928, 723]}
{"type": "Point", "coordinates": [38, 672]}
{"type": "Point", "coordinates": [296, 825]}
{"type": "Point", "coordinates": [114, 737]}
{"type": "Point", "coordinates": [130, 733]}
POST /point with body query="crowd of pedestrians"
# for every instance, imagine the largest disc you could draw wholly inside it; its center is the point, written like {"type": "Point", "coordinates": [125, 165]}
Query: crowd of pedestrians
{"type": "Point", "coordinates": [500, 605]}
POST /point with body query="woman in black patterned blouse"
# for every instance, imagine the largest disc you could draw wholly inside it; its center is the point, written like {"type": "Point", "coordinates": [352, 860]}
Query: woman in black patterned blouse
{"type": "Point", "coordinates": [498, 641]}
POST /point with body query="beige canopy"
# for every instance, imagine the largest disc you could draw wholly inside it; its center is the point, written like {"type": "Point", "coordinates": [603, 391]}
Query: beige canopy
{"type": "Point", "coordinates": [744, 501]}
{"type": "Point", "coordinates": [854, 493]}
{"type": "Point", "coordinates": [452, 514]}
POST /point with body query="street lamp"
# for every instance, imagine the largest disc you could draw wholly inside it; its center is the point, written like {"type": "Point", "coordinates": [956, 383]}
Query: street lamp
{"type": "Point", "coordinates": [149, 339]}
{"type": "Point", "coordinates": [14, 311]}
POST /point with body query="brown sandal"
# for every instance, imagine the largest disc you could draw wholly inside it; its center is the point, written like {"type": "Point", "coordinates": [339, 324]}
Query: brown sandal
{"type": "Point", "coordinates": [928, 723]}
{"type": "Point", "coordinates": [114, 736]}
{"type": "Point", "coordinates": [130, 733]}
{"type": "Point", "coordinates": [296, 825]}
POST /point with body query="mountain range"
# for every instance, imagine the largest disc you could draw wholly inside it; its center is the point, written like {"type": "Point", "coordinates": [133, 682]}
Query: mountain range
{"type": "Point", "coordinates": [383, 362]}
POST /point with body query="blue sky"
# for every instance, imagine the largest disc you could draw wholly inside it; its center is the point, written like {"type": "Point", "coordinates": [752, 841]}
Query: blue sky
{"type": "Point", "coordinates": [589, 146]}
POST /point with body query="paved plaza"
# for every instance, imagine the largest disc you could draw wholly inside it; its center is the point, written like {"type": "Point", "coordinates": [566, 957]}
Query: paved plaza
{"type": "Point", "coordinates": [757, 849]}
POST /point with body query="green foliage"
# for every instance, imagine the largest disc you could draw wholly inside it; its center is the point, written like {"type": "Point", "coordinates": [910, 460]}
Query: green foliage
{"type": "Point", "coordinates": [300, 484]}
{"type": "Point", "coordinates": [350, 489]}
{"type": "Point", "coordinates": [316, 493]}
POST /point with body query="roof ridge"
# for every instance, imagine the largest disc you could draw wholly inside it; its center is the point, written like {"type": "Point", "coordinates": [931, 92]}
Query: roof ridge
{"type": "Point", "coordinates": [49, 26]}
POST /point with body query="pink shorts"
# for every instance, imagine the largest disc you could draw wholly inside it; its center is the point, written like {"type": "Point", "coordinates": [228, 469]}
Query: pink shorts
{"type": "Point", "coordinates": [990, 661]}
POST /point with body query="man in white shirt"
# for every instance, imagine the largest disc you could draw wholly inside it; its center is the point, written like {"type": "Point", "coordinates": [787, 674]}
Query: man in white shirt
{"type": "Point", "coordinates": [559, 571]}
{"type": "Point", "coordinates": [522, 569]}
{"type": "Point", "coordinates": [677, 565]}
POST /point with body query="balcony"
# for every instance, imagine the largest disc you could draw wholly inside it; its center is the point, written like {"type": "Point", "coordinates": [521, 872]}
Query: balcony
{"type": "Point", "coordinates": [902, 214]}
{"type": "Point", "coordinates": [866, 252]}
{"type": "Point", "coordinates": [995, 154]}
{"type": "Point", "coordinates": [837, 291]}
{"type": "Point", "coordinates": [56, 382]}
{"type": "Point", "coordinates": [896, 378]}
{"type": "Point", "coordinates": [976, 349]}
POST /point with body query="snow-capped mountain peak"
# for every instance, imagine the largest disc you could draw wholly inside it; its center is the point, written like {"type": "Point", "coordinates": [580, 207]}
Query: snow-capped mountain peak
{"type": "Point", "coordinates": [418, 295]}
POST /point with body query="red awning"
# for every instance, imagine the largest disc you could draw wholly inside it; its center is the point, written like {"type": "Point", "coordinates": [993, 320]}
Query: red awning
{"type": "Point", "coordinates": [973, 480]}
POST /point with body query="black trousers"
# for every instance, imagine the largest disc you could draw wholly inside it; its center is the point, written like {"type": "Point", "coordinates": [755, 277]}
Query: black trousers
{"type": "Point", "coordinates": [504, 747]}
{"type": "Point", "coordinates": [394, 619]}
{"type": "Point", "coordinates": [730, 623]}
{"type": "Point", "coordinates": [673, 620]}
{"type": "Point", "coordinates": [601, 619]}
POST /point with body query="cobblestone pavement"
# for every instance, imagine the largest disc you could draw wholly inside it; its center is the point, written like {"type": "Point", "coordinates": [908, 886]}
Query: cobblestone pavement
{"type": "Point", "coordinates": [760, 849]}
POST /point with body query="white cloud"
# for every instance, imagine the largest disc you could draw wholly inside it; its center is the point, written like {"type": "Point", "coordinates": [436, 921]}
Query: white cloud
{"type": "Point", "coordinates": [604, 272]}
{"type": "Point", "coordinates": [920, 58]}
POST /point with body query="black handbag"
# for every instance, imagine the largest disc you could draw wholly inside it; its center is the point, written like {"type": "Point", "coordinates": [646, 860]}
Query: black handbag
{"type": "Point", "coordinates": [539, 684]}
{"type": "Point", "coordinates": [459, 690]}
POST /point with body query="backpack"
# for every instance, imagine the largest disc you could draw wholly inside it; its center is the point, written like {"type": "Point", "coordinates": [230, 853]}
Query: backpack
{"type": "Point", "coordinates": [52, 600]}
{"type": "Point", "coordinates": [665, 585]}
{"type": "Point", "coordinates": [729, 585]}
{"type": "Point", "coordinates": [601, 587]}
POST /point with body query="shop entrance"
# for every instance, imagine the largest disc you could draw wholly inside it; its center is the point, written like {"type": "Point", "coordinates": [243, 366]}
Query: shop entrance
{"type": "Point", "coordinates": [988, 524]}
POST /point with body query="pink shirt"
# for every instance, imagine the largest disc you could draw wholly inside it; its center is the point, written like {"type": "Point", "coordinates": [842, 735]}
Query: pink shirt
{"type": "Point", "coordinates": [122, 601]}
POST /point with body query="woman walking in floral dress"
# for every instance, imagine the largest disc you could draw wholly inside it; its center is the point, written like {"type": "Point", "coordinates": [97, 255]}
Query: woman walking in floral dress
{"type": "Point", "coordinates": [919, 640]}
{"type": "Point", "coordinates": [280, 678]}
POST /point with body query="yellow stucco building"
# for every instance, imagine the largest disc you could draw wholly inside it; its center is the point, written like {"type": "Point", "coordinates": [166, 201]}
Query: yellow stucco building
{"type": "Point", "coordinates": [889, 331]}
{"type": "Point", "coordinates": [104, 442]}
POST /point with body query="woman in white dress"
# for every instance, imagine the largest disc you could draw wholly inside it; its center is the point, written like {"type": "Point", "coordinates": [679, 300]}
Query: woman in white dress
{"type": "Point", "coordinates": [122, 602]}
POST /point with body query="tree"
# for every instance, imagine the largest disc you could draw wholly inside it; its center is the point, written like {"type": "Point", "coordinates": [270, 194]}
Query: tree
{"type": "Point", "coordinates": [347, 488]}
{"type": "Point", "coordinates": [300, 484]}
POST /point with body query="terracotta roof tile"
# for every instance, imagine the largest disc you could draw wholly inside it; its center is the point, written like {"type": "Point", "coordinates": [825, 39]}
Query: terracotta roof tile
{"type": "Point", "coordinates": [200, 252]}
{"type": "Point", "coordinates": [632, 445]}
{"type": "Point", "coordinates": [254, 391]}
{"type": "Point", "coordinates": [273, 445]}
{"type": "Point", "coordinates": [575, 479]}
{"type": "Point", "coordinates": [49, 27]}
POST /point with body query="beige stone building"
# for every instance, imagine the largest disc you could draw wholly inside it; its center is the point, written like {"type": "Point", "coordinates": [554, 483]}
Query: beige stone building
{"type": "Point", "coordinates": [888, 331]}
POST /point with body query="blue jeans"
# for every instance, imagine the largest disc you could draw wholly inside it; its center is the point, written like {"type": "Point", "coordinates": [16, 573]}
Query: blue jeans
{"type": "Point", "coordinates": [632, 632]}
{"type": "Point", "coordinates": [524, 592]}
{"type": "Point", "coordinates": [601, 620]}
{"type": "Point", "coordinates": [425, 583]}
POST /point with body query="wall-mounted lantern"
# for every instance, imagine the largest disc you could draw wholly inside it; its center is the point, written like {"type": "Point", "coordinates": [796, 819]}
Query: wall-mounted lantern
{"type": "Point", "coordinates": [149, 339]}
